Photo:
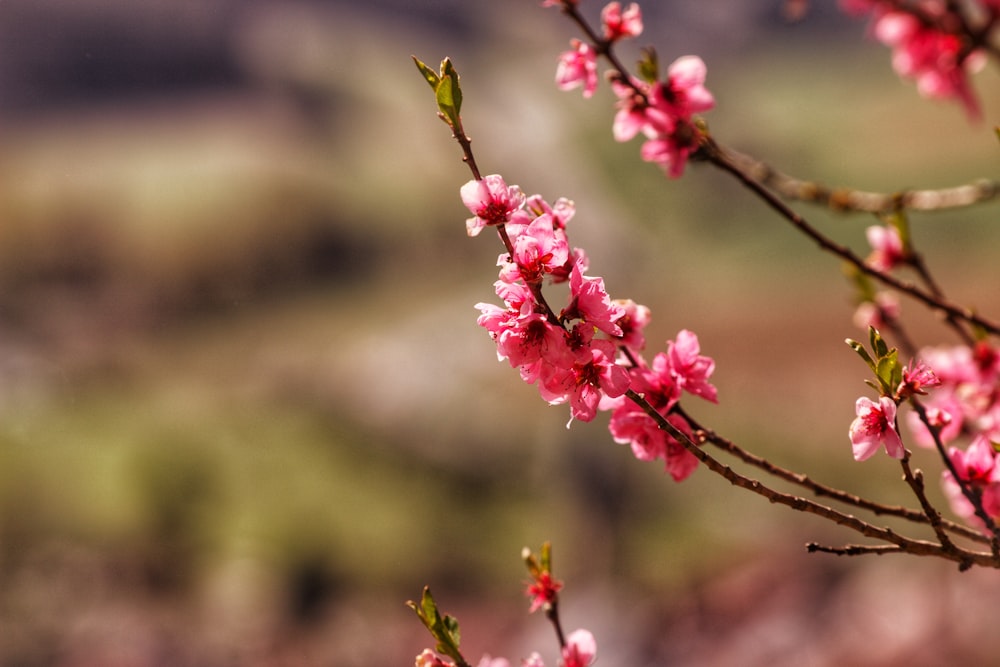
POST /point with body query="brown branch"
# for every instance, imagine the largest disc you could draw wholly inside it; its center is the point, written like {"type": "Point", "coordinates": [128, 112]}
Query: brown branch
{"type": "Point", "coordinates": [720, 158]}
{"type": "Point", "coordinates": [822, 490]}
{"type": "Point", "coordinates": [964, 557]}
{"type": "Point", "coordinates": [855, 549]}
{"type": "Point", "coordinates": [850, 200]}
{"type": "Point", "coordinates": [916, 484]}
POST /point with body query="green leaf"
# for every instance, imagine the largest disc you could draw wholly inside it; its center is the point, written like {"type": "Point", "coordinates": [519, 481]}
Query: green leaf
{"type": "Point", "coordinates": [446, 100]}
{"type": "Point", "coordinates": [429, 75]}
{"type": "Point", "coordinates": [447, 69]}
{"type": "Point", "coordinates": [862, 352]}
{"type": "Point", "coordinates": [889, 372]}
{"type": "Point", "coordinates": [444, 629]}
{"type": "Point", "coordinates": [879, 346]}
{"type": "Point", "coordinates": [451, 623]}
{"type": "Point", "coordinates": [649, 66]}
{"type": "Point", "coordinates": [546, 557]}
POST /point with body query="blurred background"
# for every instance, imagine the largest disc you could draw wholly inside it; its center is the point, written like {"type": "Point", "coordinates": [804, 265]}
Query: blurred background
{"type": "Point", "coordinates": [245, 409]}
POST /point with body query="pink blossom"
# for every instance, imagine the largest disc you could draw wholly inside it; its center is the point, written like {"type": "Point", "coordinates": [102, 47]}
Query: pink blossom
{"type": "Point", "coordinates": [979, 467]}
{"type": "Point", "coordinates": [876, 313]}
{"type": "Point", "coordinates": [935, 59]}
{"type": "Point", "coordinates": [589, 301]}
{"type": "Point", "coordinates": [428, 658]}
{"type": "Point", "coordinates": [561, 212]}
{"type": "Point", "coordinates": [684, 92]}
{"type": "Point", "coordinates": [632, 323]}
{"type": "Point", "coordinates": [491, 202]}
{"type": "Point", "coordinates": [630, 118]}
{"type": "Point", "coordinates": [875, 426]}
{"type": "Point", "coordinates": [887, 247]}
{"type": "Point", "coordinates": [538, 250]}
{"type": "Point", "coordinates": [533, 660]}
{"type": "Point", "coordinates": [526, 339]}
{"type": "Point", "coordinates": [952, 364]}
{"type": "Point", "coordinates": [944, 412]}
{"type": "Point", "coordinates": [586, 382]}
{"type": "Point", "coordinates": [578, 67]}
{"type": "Point", "coordinates": [618, 24]}
{"type": "Point", "coordinates": [968, 397]}
{"type": "Point", "coordinates": [543, 590]}
{"type": "Point", "coordinates": [663, 113]}
{"type": "Point", "coordinates": [517, 295]}
{"type": "Point", "coordinates": [632, 426]}
{"type": "Point", "coordinates": [580, 649]}
{"type": "Point", "coordinates": [917, 377]}
{"type": "Point", "coordinates": [488, 661]}
{"type": "Point", "coordinates": [690, 368]}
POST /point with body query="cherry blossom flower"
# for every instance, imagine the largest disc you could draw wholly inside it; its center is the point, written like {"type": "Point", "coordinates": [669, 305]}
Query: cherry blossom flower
{"type": "Point", "coordinates": [936, 60]}
{"type": "Point", "coordinates": [488, 661]}
{"type": "Point", "coordinates": [578, 67]}
{"type": "Point", "coordinates": [887, 247]}
{"type": "Point", "coordinates": [917, 377]}
{"type": "Point", "coordinates": [491, 202]}
{"type": "Point", "coordinates": [875, 426]}
{"type": "Point", "coordinates": [632, 323]}
{"type": "Point", "coordinates": [590, 302]}
{"type": "Point", "coordinates": [620, 24]}
{"type": "Point", "coordinates": [428, 658]}
{"type": "Point", "coordinates": [543, 590]}
{"type": "Point", "coordinates": [978, 466]}
{"type": "Point", "coordinates": [630, 425]}
{"type": "Point", "coordinates": [538, 250]}
{"type": "Point", "coordinates": [533, 660]}
{"type": "Point", "coordinates": [663, 113]}
{"type": "Point", "coordinates": [689, 368]}
{"type": "Point", "coordinates": [967, 399]}
{"type": "Point", "coordinates": [945, 413]}
{"type": "Point", "coordinates": [580, 649]}
{"type": "Point", "coordinates": [684, 92]}
{"type": "Point", "coordinates": [884, 308]}
{"type": "Point", "coordinates": [586, 382]}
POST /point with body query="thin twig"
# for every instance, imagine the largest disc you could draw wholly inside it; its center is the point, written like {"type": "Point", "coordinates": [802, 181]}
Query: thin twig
{"type": "Point", "coordinates": [916, 484]}
{"type": "Point", "coordinates": [912, 546]}
{"type": "Point", "coordinates": [822, 490]}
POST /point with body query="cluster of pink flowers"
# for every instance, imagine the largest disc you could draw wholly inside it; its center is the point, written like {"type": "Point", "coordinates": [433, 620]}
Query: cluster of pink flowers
{"type": "Point", "coordinates": [662, 111]}
{"type": "Point", "coordinates": [979, 468]}
{"type": "Point", "coordinates": [589, 354]}
{"type": "Point", "coordinates": [926, 46]}
{"type": "Point", "coordinates": [967, 401]}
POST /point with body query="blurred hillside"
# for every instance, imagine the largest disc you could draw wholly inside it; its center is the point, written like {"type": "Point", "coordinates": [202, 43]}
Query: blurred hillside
{"type": "Point", "coordinates": [245, 410]}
